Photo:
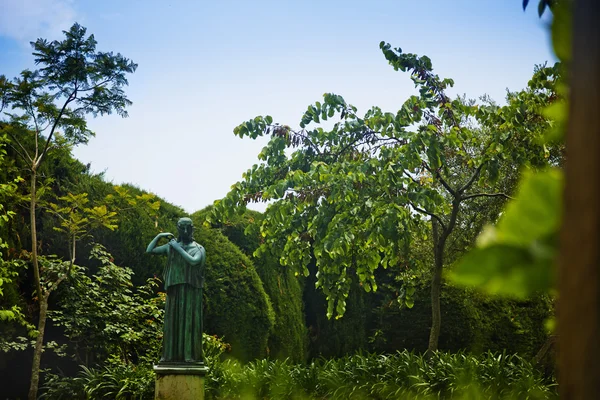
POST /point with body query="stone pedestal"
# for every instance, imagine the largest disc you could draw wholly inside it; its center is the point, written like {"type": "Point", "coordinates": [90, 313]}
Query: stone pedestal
{"type": "Point", "coordinates": [179, 381]}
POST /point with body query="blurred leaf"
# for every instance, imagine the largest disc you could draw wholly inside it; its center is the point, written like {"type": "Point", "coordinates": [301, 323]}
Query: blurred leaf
{"type": "Point", "coordinates": [558, 112]}
{"type": "Point", "coordinates": [536, 211]}
{"type": "Point", "coordinates": [503, 270]}
{"type": "Point", "coordinates": [516, 258]}
{"type": "Point", "coordinates": [562, 31]}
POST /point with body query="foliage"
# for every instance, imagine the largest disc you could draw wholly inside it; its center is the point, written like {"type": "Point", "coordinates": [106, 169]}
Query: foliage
{"type": "Point", "coordinates": [335, 337]}
{"type": "Point", "coordinates": [117, 379]}
{"type": "Point", "coordinates": [516, 256]}
{"type": "Point", "coordinates": [400, 375]}
{"type": "Point", "coordinates": [75, 75]}
{"type": "Point", "coordinates": [541, 5]}
{"type": "Point", "coordinates": [288, 338]}
{"type": "Point", "coordinates": [74, 80]}
{"type": "Point", "coordinates": [353, 196]}
{"type": "Point", "coordinates": [10, 307]}
{"type": "Point", "coordinates": [114, 381]}
{"type": "Point", "coordinates": [141, 215]}
{"type": "Point", "coordinates": [473, 322]}
{"type": "Point", "coordinates": [236, 305]}
{"type": "Point", "coordinates": [103, 316]}
{"type": "Point", "coordinates": [77, 218]}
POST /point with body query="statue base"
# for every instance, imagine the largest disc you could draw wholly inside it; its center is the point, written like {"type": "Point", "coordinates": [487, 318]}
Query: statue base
{"type": "Point", "coordinates": [179, 381]}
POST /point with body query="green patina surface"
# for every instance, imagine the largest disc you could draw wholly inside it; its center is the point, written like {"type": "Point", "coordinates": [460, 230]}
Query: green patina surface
{"type": "Point", "coordinates": [183, 280]}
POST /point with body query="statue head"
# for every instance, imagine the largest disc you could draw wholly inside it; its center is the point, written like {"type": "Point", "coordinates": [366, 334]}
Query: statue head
{"type": "Point", "coordinates": [185, 227]}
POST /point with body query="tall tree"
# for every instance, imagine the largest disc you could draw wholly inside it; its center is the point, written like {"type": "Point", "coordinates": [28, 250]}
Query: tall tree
{"type": "Point", "coordinates": [352, 195]}
{"type": "Point", "coordinates": [73, 81]}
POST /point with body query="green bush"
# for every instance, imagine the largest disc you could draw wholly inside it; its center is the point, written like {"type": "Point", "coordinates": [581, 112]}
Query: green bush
{"type": "Point", "coordinates": [117, 379]}
{"type": "Point", "coordinates": [335, 337]}
{"type": "Point", "coordinates": [402, 375]}
{"type": "Point", "coordinates": [236, 305]}
{"type": "Point", "coordinates": [288, 338]}
{"type": "Point", "coordinates": [470, 321]}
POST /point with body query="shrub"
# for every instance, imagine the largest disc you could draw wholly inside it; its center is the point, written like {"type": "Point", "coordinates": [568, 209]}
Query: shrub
{"type": "Point", "coordinates": [403, 375]}
{"type": "Point", "coordinates": [288, 338]}
{"type": "Point", "coordinates": [236, 305]}
{"type": "Point", "coordinates": [116, 379]}
{"type": "Point", "coordinates": [470, 321]}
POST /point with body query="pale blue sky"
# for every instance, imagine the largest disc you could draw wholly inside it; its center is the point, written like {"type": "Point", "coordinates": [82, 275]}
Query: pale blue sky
{"type": "Point", "coordinates": [205, 67]}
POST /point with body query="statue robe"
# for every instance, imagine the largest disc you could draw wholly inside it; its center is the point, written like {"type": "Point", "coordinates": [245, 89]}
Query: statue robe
{"type": "Point", "coordinates": [182, 332]}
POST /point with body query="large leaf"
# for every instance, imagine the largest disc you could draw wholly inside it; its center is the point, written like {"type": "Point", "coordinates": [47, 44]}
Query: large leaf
{"type": "Point", "coordinates": [505, 270]}
{"type": "Point", "coordinates": [517, 257]}
{"type": "Point", "coordinates": [535, 213]}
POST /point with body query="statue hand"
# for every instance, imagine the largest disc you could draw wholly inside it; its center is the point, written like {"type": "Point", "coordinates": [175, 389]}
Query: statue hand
{"type": "Point", "coordinates": [174, 243]}
{"type": "Point", "coordinates": [165, 234]}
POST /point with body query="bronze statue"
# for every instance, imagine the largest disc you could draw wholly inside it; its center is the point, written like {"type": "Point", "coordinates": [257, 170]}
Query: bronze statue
{"type": "Point", "coordinates": [183, 280]}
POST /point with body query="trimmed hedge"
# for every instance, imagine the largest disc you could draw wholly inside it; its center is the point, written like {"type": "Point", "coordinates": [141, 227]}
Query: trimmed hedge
{"type": "Point", "coordinates": [235, 303]}
{"type": "Point", "coordinates": [335, 337]}
{"type": "Point", "coordinates": [289, 338]}
{"type": "Point", "coordinates": [470, 321]}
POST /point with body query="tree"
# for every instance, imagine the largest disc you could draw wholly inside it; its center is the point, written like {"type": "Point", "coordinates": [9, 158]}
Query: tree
{"type": "Point", "coordinates": [353, 195]}
{"type": "Point", "coordinates": [564, 251]}
{"type": "Point", "coordinates": [74, 80]}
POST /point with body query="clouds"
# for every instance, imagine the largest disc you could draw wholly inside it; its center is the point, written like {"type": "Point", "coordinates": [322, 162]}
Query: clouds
{"type": "Point", "coordinates": [27, 20]}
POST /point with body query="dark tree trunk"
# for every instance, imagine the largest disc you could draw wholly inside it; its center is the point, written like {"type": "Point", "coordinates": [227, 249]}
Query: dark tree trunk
{"type": "Point", "coordinates": [579, 271]}
{"type": "Point", "coordinates": [436, 286]}
{"type": "Point", "coordinates": [439, 245]}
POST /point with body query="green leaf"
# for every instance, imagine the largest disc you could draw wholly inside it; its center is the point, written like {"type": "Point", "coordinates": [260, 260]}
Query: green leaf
{"type": "Point", "coordinates": [517, 257]}
{"type": "Point", "coordinates": [504, 270]}
{"type": "Point", "coordinates": [558, 112]}
{"type": "Point", "coordinates": [541, 7]}
{"type": "Point", "coordinates": [536, 212]}
{"type": "Point", "coordinates": [562, 28]}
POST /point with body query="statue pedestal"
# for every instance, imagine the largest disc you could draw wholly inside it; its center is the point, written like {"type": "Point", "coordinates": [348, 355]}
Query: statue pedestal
{"type": "Point", "coordinates": [184, 381]}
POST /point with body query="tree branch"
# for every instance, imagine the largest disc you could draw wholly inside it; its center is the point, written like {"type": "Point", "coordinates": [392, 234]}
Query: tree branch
{"type": "Point", "coordinates": [37, 128]}
{"type": "Point", "coordinates": [411, 178]}
{"type": "Point", "coordinates": [437, 174]}
{"type": "Point", "coordinates": [471, 180]}
{"type": "Point", "coordinates": [432, 215]}
{"type": "Point", "coordinates": [22, 148]}
{"type": "Point", "coordinates": [60, 114]}
{"type": "Point", "coordinates": [471, 196]}
{"type": "Point", "coordinates": [96, 85]}
{"type": "Point", "coordinates": [307, 139]}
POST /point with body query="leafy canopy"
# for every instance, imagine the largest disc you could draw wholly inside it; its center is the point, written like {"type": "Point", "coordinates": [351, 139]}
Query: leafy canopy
{"type": "Point", "coordinates": [350, 194]}
{"type": "Point", "coordinates": [73, 80]}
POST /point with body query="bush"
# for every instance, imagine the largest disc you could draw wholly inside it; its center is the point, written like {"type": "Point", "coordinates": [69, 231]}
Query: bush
{"type": "Point", "coordinates": [335, 337]}
{"type": "Point", "coordinates": [236, 305]}
{"type": "Point", "coordinates": [470, 321]}
{"type": "Point", "coordinates": [289, 337]}
{"type": "Point", "coordinates": [117, 379]}
{"type": "Point", "coordinates": [403, 375]}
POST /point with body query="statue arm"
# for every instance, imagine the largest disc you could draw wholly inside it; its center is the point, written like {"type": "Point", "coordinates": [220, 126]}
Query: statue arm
{"type": "Point", "coordinates": [164, 249]}
{"type": "Point", "coordinates": [195, 259]}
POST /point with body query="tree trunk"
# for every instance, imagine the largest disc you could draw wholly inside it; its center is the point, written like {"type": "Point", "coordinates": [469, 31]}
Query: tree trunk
{"type": "Point", "coordinates": [37, 352]}
{"type": "Point", "coordinates": [436, 285]}
{"type": "Point", "coordinates": [34, 255]}
{"type": "Point", "coordinates": [579, 268]}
